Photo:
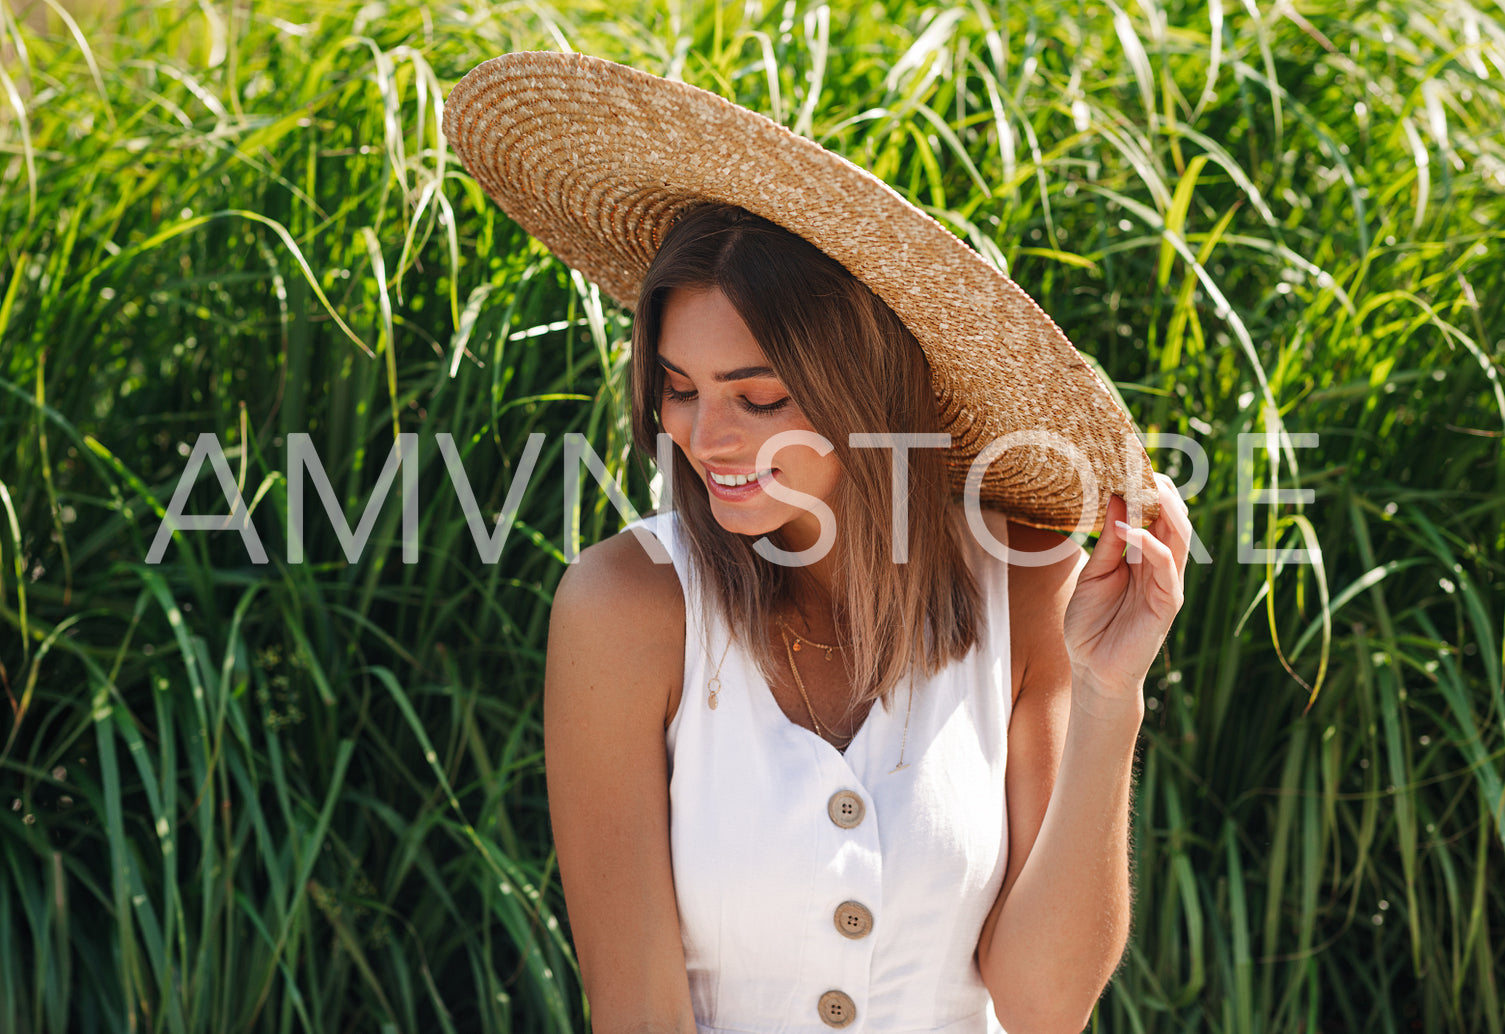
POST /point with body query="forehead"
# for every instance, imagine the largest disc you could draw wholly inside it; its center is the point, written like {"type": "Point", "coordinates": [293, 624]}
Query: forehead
{"type": "Point", "coordinates": [700, 330]}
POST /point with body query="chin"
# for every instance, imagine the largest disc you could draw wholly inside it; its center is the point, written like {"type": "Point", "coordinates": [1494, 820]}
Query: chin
{"type": "Point", "coordinates": [744, 522]}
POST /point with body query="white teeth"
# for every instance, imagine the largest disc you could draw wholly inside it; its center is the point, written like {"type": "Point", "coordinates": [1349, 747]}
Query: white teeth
{"type": "Point", "coordinates": [734, 480]}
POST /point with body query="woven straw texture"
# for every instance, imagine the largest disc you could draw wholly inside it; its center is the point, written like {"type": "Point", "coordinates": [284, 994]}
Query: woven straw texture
{"type": "Point", "coordinates": [595, 159]}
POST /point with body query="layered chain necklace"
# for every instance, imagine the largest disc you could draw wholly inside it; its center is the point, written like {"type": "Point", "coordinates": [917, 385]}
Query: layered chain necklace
{"type": "Point", "coordinates": [793, 642]}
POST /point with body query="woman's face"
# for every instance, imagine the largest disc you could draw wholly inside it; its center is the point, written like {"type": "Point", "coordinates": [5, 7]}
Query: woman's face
{"type": "Point", "coordinates": [721, 402]}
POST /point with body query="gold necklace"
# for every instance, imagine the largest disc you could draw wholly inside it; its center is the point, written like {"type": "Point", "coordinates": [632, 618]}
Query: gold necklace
{"type": "Point", "coordinates": [905, 742]}
{"type": "Point", "coordinates": [789, 647]}
{"type": "Point", "coordinates": [798, 639]}
{"type": "Point", "coordinates": [713, 684]}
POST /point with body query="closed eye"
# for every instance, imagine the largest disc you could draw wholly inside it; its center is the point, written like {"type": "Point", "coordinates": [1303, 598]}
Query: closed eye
{"type": "Point", "coordinates": [672, 394]}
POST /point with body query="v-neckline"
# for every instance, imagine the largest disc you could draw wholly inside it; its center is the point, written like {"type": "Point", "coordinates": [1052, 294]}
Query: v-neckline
{"type": "Point", "coordinates": [776, 713]}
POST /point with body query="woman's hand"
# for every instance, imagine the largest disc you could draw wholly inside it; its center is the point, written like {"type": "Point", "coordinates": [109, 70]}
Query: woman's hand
{"type": "Point", "coordinates": [1126, 596]}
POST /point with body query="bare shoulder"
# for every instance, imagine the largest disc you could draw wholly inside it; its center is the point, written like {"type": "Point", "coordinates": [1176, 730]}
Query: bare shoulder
{"type": "Point", "coordinates": [618, 613]}
{"type": "Point", "coordinates": [618, 582]}
{"type": "Point", "coordinates": [1040, 561]}
{"type": "Point", "coordinates": [1042, 574]}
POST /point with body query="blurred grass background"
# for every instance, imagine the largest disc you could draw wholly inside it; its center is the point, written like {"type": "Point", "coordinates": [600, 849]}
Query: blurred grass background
{"type": "Point", "coordinates": [309, 797]}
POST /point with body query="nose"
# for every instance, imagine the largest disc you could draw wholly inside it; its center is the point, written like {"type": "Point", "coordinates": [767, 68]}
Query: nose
{"type": "Point", "coordinates": [716, 433]}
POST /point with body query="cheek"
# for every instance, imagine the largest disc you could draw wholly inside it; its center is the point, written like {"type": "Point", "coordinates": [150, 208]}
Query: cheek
{"type": "Point", "coordinates": [832, 474]}
{"type": "Point", "coordinates": [820, 474]}
{"type": "Point", "coordinates": [673, 421]}
{"type": "Point", "coordinates": [679, 425]}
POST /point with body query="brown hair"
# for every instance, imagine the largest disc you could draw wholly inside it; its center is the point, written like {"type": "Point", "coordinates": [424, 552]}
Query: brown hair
{"type": "Point", "coordinates": [850, 365]}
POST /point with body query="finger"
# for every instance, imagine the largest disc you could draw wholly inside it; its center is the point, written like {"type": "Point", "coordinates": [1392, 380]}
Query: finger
{"type": "Point", "coordinates": [1134, 539]}
{"type": "Point", "coordinates": [1173, 526]}
{"type": "Point", "coordinates": [1109, 547]}
{"type": "Point", "coordinates": [1159, 579]}
{"type": "Point", "coordinates": [1117, 509]}
{"type": "Point", "coordinates": [1118, 512]}
{"type": "Point", "coordinates": [1170, 499]}
{"type": "Point", "coordinates": [1174, 530]}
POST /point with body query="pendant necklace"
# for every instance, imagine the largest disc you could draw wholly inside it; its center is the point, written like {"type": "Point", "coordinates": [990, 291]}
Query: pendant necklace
{"type": "Point", "coordinates": [791, 647]}
{"type": "Point", "coordinates": [792, 643]}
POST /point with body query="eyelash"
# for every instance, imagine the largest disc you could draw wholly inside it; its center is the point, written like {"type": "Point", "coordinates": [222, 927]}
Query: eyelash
{"type": "Point", "coordinates": [752, 407]}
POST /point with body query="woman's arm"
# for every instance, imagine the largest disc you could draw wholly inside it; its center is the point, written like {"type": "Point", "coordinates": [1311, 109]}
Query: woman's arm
{"type": "Point", "coordinates": [1084, 637]}
{"type": "Point", "coordinates": [615, 662]}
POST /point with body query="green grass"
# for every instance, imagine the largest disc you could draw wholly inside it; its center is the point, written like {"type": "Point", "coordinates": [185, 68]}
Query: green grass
{"type": "Point", "coordinates": [309, 797]}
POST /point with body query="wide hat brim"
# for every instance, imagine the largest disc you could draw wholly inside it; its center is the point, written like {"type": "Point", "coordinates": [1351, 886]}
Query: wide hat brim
{"type": "Point", "coordinates": [595, 160]}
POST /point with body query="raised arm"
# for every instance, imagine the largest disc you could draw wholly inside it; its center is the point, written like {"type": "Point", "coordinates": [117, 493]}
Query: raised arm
{"type": "Point", "coordinates": [1085, 634]}
{"type": "Point", "coordinates": [615, 663]}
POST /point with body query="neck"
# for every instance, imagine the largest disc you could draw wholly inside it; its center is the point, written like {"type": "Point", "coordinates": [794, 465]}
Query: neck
{"type": "Point", "coordinates": [814, 613]}
{"type": "Point", "coordinates": [815, 581]}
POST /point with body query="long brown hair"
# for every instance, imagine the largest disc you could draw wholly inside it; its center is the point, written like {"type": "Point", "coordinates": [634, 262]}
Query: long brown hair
{"type": "Point", "coordinates": [850, 365]}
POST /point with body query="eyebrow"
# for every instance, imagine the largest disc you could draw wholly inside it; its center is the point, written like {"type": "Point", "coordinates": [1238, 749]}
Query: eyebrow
{"type": "Point", "coordinates": [741, 373]}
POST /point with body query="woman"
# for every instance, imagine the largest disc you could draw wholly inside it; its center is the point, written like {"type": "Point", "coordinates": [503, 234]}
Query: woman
{"type": "Point", "coordinates": [857, 755]}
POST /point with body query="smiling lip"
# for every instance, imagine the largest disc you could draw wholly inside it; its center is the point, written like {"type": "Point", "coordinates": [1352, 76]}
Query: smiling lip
{"type": "Point", "coordinates": [733, 493]}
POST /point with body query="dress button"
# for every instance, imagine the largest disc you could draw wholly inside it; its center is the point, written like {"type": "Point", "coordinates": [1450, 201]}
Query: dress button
{"type": "Point", "coordinates": [845, 808]}
{"type": "Point", "coordinates": [853, 919]}
{"type": "Point", "coordinates": [837, 1009]}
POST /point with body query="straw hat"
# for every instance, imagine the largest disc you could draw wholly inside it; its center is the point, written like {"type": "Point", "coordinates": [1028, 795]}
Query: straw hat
{"type": "Point", "coordinates": [595, 160]}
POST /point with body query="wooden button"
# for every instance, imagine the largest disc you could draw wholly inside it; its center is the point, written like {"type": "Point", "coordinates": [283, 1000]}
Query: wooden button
{"type": "Point", "coordinates": [846, 808]}
{"type": "Point", "coordinates": [853, 919]}
{"type": "Point", "coordinates": [837, 1009]}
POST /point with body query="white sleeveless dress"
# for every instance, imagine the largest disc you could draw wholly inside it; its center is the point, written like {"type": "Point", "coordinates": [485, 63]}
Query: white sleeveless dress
{"type": "Point", "coordinates": [822, 890]}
